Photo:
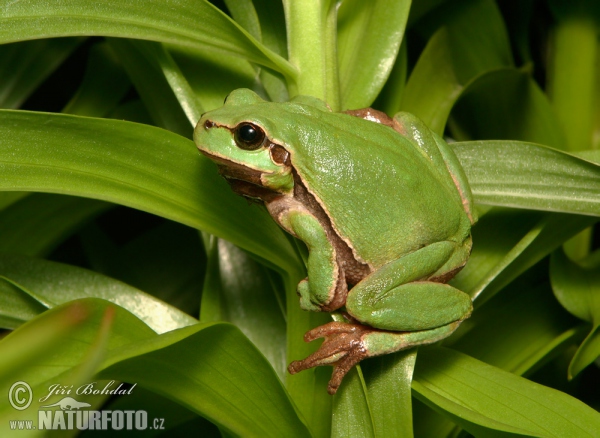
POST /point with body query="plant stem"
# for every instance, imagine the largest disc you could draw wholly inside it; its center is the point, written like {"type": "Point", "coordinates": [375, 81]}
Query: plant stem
{"type": "Point", "coordinates": [572, 78]}
{"type": "Point", "coordinates": [311, 34]}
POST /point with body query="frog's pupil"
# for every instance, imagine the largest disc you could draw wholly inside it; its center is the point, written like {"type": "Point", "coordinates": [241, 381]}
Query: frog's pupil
{"type": "Point", "coordinates": [249, 136]}
{"type": "Point", "coordinates": [248, 133]}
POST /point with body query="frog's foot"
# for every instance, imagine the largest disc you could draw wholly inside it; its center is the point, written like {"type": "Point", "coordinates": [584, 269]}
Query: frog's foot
{"type": "Point", "coordinates": [346, 344]}
{"type": "Point", "coordinates": [343, 348]}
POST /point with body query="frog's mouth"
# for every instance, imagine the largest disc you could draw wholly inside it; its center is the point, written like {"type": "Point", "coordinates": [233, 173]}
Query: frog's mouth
{"type": "Point", "coordinates": [243, 180]}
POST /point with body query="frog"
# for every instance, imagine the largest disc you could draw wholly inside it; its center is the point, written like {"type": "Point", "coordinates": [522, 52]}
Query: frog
{"type": "Point", "coordinates": [381, 203]}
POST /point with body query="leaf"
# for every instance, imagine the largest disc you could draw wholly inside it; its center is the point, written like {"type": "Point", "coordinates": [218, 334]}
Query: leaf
{"type": "Point", "coordinates": [30, 343]}
{"type": "Point", "coordinates": [74, 353]}
{"type": "Point", "coordinates": [178, 421]}
{"type": "Point", "coordinates": [212, 76]}
{"type": "Point", "coordinates": [104, 84]}
{"type": "Point", "coordinates": [140, 61]}
{"type": "Point", "coordinates": [526, 175]}
{"type": "Point", "coordinates": [475, 395]}
{"type": "Point", "coordinates": [469, 40]}
{"type": "Point", "coordinates": [167, 262]}
{"type": "Point", "coordinates": [577, 288]}
{"type": "Point", "coordinates": [238, 290]}
{"type": "Point", "coordinates": [351, 413]}
{"type": "Point", "coordinates": [388, 380]}
{"type": "Point", "coordinates": [510, 242]}
{"type": "Point", "coordinates": [187, 23]}
{"type": "Point", "coordinates": [25, 65]}
{"type": "Point", "coordinates": [214, 371]}
{"type": "Point", "coordinates": [573, 68]}
{"type": "Point", "coordinates": [369, 37]}
{"type": "Point", "coordinates": [520, 328]}
{"type": "Point", "coordinates": [36, 224]}
{"type": "Point", "coordinates": [210, 368]}
{"type": "Point", "coordinates": [16, 307]}
{"type": "Point", "coordinates": [52, 284]}
{"type": "Point", "coordinates": [505, 104]}
{"type": "Point", "coordinates": [135, 165]}
{"type": "Point", "coordinates": [9, 198]}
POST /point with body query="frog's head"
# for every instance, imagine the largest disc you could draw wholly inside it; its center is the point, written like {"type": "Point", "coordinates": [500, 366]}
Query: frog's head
{"type": "Point", "coordinates": [239, 137]}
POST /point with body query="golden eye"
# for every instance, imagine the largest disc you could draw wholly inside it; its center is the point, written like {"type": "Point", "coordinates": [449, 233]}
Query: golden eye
{"type": "Point", "coordinates": [248, 136]}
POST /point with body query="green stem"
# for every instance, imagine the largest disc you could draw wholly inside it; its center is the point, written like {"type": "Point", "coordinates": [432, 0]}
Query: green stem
{"type": "Point", "coordinates": [311, 34]}
{"type": "Point", "coordinates": [572, 75]}
{"type": "Point", "coordinates": [572, 79]}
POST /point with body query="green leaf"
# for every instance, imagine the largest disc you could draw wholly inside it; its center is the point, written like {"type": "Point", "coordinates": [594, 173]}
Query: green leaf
{"type": "Point", "coordinates": [212, 76]}
{"type": "Point", "coordinates": [577, 288]}
{"type": "Point", "coordinates": [470, 39]}
{"type": "Point", "coordinates": [487, 401]}
{"type": "Point", "coordinates": [211, 369]}
{"type": "Point", "coordinates": [166, 261]}
{"type": "Point", "coordinates": [29, 342]}
{"type": "Point", "coordinates": [186, 23]}
{"type": "Point", "coordinates": [52, 284]}
{"type": "Point", "coordinates": [390, 98]}
{"type": "Point", "coordinates": [144, 69]}
{"type": "Point", "coordinates": [505, 104]}
{"type": "Point", "coordinates": [526, 175]}
{"type": "Point", "coordinates": [369, 37]}
{"type": "Point", "coordinates": [388, 379]}
{"type": "Point", "coordinates": [215, 371]}
{"type": "Point", "coordinates": [25, 65]}
{"type": "Point", "coordinates": [520, 328]}
{"type": "Point", "coordinates": [238, 290]}
{"type": "Point", "coordinates": [16, 307]}
{"type": "Point", "coordinates": [178, 421]}
{"type": "Point", "coordinates": [509, 243]}
{"type": "Point", "coordinates": [104, 84]}
{"type": "Point", "coordinates": [75, 352]}
{"type": "Point", "coordinates": [351, 413]}
{"type": "Point", "coordinates": [36, 224]}
{"type": "Point", "coordinates": [9, 198]}
{"type": "Point", "coordinates": [134, 165]}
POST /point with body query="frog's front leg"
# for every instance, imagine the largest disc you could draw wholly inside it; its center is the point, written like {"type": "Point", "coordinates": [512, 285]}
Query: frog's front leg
{"type": "Point", "coordinates": [395, 308]}
{"type": "Point", "coordinates": [325, 289]}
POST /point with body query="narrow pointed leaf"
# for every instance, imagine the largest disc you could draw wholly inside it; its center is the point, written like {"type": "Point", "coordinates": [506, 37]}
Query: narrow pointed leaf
{"type": "Point", "coordinates": [134, 165]}
{"type": "Point", "coordinates": [237, 290]}
{"type": "Point", "coordinates": [526, 175]}
{"type": "Point", "coordinates": [388, 379]}
{"type": "Point", "coordinates": [469, 40]}
{"type": "Point", "coordinates": [578, 290]}
{"type": "Point", "coordinates": [25, 65]}
{"type": "Point", "coordinates": [52, 284]}
{"type": "Point", "coordinates": [351, 412]}
{"type": "Point", "coordinates": [487, 401]}
{"type": "Point", "coordinates": [196, 24]}
{"type": "Point", "coordinates": [104, 84]}
{"type": "Point", "coordinates": [369, 38]}
{"type": "Point", "coordinates": [36, 224]}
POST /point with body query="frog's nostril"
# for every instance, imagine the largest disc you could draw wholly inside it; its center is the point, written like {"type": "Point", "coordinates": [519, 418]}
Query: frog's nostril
{"type": "Point", "coordinates": [208, 124]}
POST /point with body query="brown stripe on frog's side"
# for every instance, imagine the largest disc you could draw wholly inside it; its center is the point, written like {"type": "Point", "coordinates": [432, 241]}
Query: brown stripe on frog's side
{"type": "Point", "coordinates": [352, 270]}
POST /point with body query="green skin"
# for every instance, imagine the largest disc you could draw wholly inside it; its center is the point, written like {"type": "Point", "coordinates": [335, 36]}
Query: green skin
{"type": "Point", "coordinates": [382, 204]}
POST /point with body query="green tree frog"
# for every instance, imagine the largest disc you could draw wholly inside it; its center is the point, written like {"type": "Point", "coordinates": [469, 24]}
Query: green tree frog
{"type": "Point", "coordinates": [382, 204]}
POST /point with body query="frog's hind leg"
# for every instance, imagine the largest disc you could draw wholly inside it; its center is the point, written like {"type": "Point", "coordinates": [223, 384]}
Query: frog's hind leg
{"type": "Point", "coordinates": [399, 295]}
{"type": "Point", "coordinates": [402, 310]}
{"type": "Point", "coordinates": [346, 345]}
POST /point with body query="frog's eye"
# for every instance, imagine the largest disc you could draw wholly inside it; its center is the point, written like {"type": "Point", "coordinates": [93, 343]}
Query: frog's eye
{"type": "Point", "coordinates": [248, 136]}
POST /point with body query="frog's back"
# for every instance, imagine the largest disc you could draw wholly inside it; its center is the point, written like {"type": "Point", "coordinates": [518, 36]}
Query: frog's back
{"type": "Point", "coordinates": [384, 197]}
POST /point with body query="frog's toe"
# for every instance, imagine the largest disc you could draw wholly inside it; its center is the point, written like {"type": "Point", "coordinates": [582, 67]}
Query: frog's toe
{"type": "Point", "coordinates": [343, 348]}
